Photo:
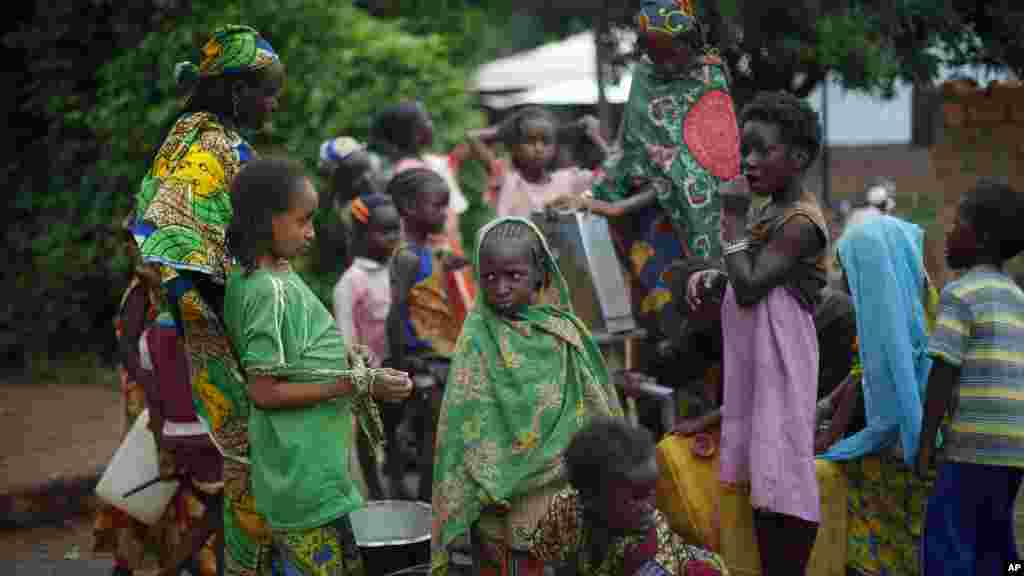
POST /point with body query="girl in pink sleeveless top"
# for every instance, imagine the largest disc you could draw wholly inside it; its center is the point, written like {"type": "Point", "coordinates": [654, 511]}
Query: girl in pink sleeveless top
{"type": "Point", "coordinates": [777, 265]}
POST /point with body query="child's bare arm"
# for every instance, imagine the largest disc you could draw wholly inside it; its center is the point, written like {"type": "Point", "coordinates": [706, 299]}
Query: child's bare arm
{"type": "Point", "coordinates": [270, 393]}
{"type": "Point", "coordinates": [478, 141]}
{"type": "Point", "coordinates": [132, 326]}
{"type": "Point", "coordinates": [403, 274]}
{"type": "Point", "coordinates": [844, 397]}
{"type": "Point", "coordinates": [941, 381]}
{"type": "Point", "coordinates": [646, 197]}
{"type": "Point", "coordinates": [592, 129]}
{"type": "Point", "coordinates": [692, 426]}
{"type": "Point", "coordinates": [753, 277]}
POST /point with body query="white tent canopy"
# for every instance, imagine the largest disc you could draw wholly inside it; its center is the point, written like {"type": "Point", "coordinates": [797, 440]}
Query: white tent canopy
{"type": "Point", "coordinates": [558, 73]}
{"type": "Point", "coordinates": [577, 92]}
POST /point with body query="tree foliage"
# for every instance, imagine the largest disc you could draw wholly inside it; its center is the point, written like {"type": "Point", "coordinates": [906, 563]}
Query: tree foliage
{"type": "Point", "coordinates": [96, 131]}
{"type": "Point", "coordinates": [867, 45]}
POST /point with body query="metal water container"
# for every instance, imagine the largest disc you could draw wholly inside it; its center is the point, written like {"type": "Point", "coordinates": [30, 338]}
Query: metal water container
{"type": "Point", "coordinates": [582, 244]}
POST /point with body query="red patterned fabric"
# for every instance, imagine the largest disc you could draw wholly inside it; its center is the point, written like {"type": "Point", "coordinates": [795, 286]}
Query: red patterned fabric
{"type": "Point", "coordinates": [712, 134]}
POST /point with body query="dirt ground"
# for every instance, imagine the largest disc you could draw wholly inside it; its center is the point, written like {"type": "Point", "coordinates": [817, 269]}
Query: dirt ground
{"type": "Point", "coordinates": [50, 431]}
{"type": "Point", "coordinates": [72, 540]}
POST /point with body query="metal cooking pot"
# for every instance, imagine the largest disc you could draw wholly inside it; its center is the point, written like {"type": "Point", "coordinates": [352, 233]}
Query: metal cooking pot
{"type": "Point", "coordinates": [392, 535]}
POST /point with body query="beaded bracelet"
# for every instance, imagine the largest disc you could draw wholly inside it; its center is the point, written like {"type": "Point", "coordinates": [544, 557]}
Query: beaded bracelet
{"type": "Point", "coordinates": [735, 247]}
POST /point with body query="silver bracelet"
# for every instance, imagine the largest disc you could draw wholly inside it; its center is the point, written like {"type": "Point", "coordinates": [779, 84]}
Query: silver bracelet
{"type": "Point", "coordinates": [735, 247]}
{"type": "Point", "coordinates": [825, 405]}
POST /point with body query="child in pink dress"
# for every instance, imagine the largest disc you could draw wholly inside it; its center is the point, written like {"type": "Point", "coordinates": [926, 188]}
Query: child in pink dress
{"type": "Point", "coordinates": [777, 265]}
{"type": "Point", "coordinates": [362, 299]}
{"type": "Point", "coordinates": [362, 296]}
{"type": "Point", "coordinates": [533, 182]}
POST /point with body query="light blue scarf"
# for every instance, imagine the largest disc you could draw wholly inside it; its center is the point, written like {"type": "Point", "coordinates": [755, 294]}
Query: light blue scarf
{"type": "Point", "coordinates": [883, 262]}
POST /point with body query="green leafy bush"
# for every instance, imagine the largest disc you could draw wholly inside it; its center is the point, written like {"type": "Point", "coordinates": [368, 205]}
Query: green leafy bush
{"type": "Point", "coordinates": [343, 66]}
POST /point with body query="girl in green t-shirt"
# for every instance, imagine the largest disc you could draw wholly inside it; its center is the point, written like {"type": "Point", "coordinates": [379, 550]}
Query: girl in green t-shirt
{"type": "Point", "coordinates": [303, 383]}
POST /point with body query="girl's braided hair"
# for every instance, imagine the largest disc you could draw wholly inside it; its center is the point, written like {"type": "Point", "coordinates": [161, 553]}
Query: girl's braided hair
{"type": "Point", "coordinates": [406, 185]}
{"type": "Point", "coordinates": [515, 231]}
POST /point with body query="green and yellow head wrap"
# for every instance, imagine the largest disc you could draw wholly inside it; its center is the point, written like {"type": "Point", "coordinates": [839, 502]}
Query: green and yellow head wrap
{"type": "Point", "coordinates": [231, 50]}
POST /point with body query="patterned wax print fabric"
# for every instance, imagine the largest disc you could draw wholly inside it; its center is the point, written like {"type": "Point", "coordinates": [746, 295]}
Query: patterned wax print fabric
{"type": "Point", "coordinates": [185, 202]}
{"type": "Point", "coordinates": [674, 18]}
{"type": "Point", "coordinates": [232, 49]}
{"type": "Point", "coordinates": [329, 550]}
{"type": "Point", "coordinates": [436, 304]}
{"type": "Point", "coordinates": [119, 534]}
{"type": "Point", "coordinates": [518, 390]}
{"type": "Point", "coordinates": [563, 535]}
{"type": "Point", "coordinates": [886, 503]}
{"type": "Point", "coordinates": [649, 246]}
{"type": "Point", "coordinates": [185, 207]}
{"type": "Point", "coordinates": [681, 132]}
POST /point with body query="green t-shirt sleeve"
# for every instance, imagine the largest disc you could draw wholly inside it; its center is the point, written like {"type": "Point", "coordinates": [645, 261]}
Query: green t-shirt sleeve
{"type": "Point", "coordinates": [263, 336]}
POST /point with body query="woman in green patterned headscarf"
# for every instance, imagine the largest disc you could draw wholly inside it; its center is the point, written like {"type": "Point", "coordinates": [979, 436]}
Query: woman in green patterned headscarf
{"type": "Point", "coordinates": [184, 207]}
{"type": "Point", "coordinates": [525, 377]}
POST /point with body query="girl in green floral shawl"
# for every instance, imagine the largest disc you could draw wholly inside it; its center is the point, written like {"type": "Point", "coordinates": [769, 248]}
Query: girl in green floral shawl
{"type": "Point", "coordinates": [525, 377]}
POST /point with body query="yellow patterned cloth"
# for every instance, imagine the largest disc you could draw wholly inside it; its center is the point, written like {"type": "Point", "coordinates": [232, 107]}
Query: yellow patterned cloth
{"type": "Point", "coordinates": [886, 506]}
{"type": "Point", "coordinates": [126, 538]}
{"type": "Point", "coordinates": [430, 317]}
{"type": "Point", "coordinates": [185, 207]}
{"type": "Point", "coordinates": [325, 551]}
{"type": "Point", "coordinates": [563, 535]}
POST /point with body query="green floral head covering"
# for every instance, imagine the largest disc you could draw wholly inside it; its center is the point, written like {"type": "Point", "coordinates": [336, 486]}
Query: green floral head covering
{"type": "Point", "coordinates": [555, 291]}
{"type": "Point", "coordinates": [231, 49]}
